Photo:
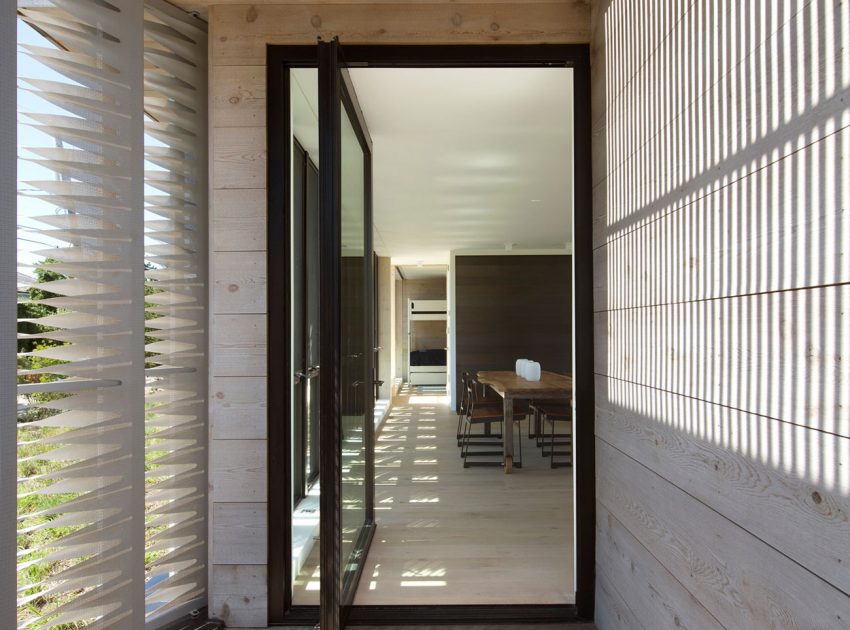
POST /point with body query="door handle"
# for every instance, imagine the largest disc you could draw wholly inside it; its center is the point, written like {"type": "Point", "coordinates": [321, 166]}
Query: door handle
{"type": "Point", "coordinates": [308, 373]}
{"type": "Point", "coordinates": [378, 383]}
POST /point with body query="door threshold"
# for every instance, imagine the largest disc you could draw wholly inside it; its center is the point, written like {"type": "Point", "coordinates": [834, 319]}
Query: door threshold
{"type": "Point", "coordinates": [417, 616]}
{"type": "Point", "coordinates": [462, 614]}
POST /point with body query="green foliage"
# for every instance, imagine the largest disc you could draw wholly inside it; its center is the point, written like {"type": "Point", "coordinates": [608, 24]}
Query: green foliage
{"type": "Point", "coordinates": [33, 309]}
{"type": "Point", "coordinates": [32, 470]}
{"type": "Point", "coordinates": [35, 545]}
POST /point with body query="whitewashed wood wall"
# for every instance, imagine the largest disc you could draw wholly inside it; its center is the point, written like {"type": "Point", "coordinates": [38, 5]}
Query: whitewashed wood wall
{"type": "Point", "coordinates": [238, 37]}
{"type": "Point", "coordinates": [721, 238]}
{"type": "Point", "coordinates": [722, 295]}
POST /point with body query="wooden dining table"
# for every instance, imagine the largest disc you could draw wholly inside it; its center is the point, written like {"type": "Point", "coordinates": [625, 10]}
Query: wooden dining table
{"type": "Point", "coordinates": [512, 387]}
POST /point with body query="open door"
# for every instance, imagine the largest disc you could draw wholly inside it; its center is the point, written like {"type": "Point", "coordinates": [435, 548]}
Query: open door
{"type": "Point", "coordinates": [346, 387]}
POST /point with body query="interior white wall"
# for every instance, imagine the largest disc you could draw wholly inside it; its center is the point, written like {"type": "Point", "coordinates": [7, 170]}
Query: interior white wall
{"type": "Point", "coordinates": [386, 326]}
{"type": "Point", "coordinates": [399, 328]}
{"type": "Point", "coordinates": [391, 281]}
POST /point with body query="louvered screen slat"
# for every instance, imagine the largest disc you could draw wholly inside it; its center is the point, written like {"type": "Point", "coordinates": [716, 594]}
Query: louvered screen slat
{"type": "Point", "coordinates": [79, 439]}
{"type": "Point", "coordinates": [111, 425]}
{"type": "Point", "coordinates": [8, 282]}
{"type": "Point", "coordinates": [176, 526]}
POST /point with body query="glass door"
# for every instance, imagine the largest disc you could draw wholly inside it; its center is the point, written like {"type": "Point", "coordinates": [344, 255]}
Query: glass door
{"type": "Point", "coordinates": [346, 331]}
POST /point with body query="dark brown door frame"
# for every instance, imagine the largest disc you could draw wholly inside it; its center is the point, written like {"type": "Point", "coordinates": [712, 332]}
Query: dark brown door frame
{"type": "Point", "coordinates": [337, 97]}
{"type": "Point", "coordinates": [280, 59]}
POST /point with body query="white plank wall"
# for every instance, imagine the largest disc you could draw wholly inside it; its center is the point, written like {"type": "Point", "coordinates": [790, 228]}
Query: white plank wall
{"type": "Point", "coordinates": [721, 139]}
{"type": "Point", "coordinates": [239, 34]}
{"type": "Point", "coordinates": [238, 450]}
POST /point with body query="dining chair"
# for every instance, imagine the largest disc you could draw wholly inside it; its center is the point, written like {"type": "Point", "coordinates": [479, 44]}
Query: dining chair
{"type": "Point", "coordinates": [463, 407]}
{"type": "Point", "coordinates": [482, 413]}
{"type": "Point", "coordinates": [536, 408]}
{"type": "Point", "coordinates": [551, 416]}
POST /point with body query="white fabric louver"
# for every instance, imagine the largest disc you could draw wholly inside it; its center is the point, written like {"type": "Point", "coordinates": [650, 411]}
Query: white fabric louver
{"type": "Point", "coordinates": [111, 406]}
{"type": "Point", "coordinates": [175, 224]}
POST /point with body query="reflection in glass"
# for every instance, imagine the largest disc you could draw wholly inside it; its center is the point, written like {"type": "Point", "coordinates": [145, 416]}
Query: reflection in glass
{"type": "Point", "coordinates": [304, 305]}
{"type": "Point", "coordinates": [355, 386]}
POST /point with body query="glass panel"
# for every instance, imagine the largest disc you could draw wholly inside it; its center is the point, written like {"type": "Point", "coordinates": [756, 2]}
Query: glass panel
{"type": "Point", "coordinates": [311, 332]}
{"type": "Point", "coordinates": [299, 485]}
{"type": "Point", "coordinates": [305, 336]}
{"type": "Point", "coordinates": [354, 382]}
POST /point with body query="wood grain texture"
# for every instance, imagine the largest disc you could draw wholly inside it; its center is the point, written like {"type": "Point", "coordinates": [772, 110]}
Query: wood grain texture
{"type": "Point", "coordinates": [612, 612]}
{"type": "Point", "coordinates": [657, 599]}
{"type": "Point", "coordinates": [239, 595]}
{"type": "Point", "coordinates": [685, 124]}
{"type": "Point", "coordinates": [238, 220]}
{"type": "Point", "coordinates": [238, 408]}
{"type": "Point", "coordinates": [240, 282]}
{"type": "Point", "coordinates": [550, 385]}
{"type": "Point", "coordinates": [509, 626]}
{"type": "Point", "coordinates": [742, 582]}
{"type": "Point", "coordinates": [239, 157]}
{"type": "Point", "coordinates": [240, 471]}
{"type": "Point", "coordinates": [239, 533]}
{"type": "Point", "coordinates": [757, 353]}
{"type": "Point", "coordinates": [239, 345]}
{"type": "Point", "coordinates": [719, 245]}
{"type": "Point", "coordinates": [453, 535]}
{"type": "Point", "coordinates": [720, 285]}
{"type": "Point", "coordinates": [710, 451]}
{"type": "Point", "coordinates": [241, 32]}
{"type": "Point", "coordinates": [238, 96]}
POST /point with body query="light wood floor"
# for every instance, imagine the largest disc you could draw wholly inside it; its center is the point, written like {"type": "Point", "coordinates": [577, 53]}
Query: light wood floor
{"type": "Point", "coordinates": [450, 535]}
{"type": "Point", "coordinates": [453, 535]}
{"type": "Point", "coordinates": [536, 626]}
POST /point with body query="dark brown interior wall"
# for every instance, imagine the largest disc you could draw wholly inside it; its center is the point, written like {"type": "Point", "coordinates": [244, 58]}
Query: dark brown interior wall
{"type": "Point", "coordinates": [513, 307]}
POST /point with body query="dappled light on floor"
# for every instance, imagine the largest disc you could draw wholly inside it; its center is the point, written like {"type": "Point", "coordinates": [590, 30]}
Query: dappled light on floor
{"type": "Point", "coordinates": [449, 535]}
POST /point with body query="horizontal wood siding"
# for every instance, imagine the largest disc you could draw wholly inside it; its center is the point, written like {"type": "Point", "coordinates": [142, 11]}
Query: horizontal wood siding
{"type": "Point", "coordinates": [721, 136]}
{"type": "Point", "coordinates": [513, 307]}
{"type": "Point", "coordinates": [238, 389]}
{"type": "Point", "coordinates": [239, 34]}
{"type": "Point", "coordinates": [251, 27]}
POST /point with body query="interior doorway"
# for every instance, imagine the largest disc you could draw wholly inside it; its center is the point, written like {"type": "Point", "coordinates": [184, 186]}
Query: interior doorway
{"type": "Point", "coordinates": [285, 66]}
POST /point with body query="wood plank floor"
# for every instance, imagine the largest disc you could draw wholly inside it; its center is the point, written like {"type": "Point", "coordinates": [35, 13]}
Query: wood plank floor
{"type": "Point", "coordinates": [547, 626]}
{"type": "Point", "coordinates": [453, 535]}
{"type": "Point", "coordinates": [450, 535]}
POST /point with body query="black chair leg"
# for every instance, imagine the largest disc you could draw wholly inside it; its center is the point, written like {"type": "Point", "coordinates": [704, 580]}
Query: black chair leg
{"type": "Point", "coordinates": [552, 452]}
{"type": "Point", "coordinates": [518, 464]}
{"type": "Point", "coordinates": [464, 449]}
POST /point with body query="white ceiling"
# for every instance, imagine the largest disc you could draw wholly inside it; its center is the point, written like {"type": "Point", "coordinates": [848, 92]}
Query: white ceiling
{"type": "Point", "coordinates": [423, 272]}
{"type": "Point", "coordinates": [468, 158]}
{"type": "Point", "coordinates": [463, 158]}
